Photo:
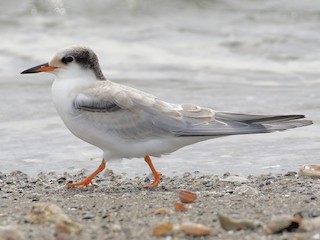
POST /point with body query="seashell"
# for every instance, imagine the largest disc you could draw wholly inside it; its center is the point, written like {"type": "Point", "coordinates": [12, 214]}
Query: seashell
{"type": "Point", "coordinates": [187, 196]}
{"type": "Point", "coordinates": [47, 212]}
{"type": "Point", "coordinates": [228, 223]}
{"type": "Point", "coordinates": [310, 224]}
{"type": "Point", "coordinates": [67, 230]}
{"type": "Point", "coordinates": [308, 221]}
{"type": "Point", "coordinates": [310, 170]}
{"type": "Point", "coordinates": [43, 213]}
{"type": "Point", "coordinates": [195, 229]}
{"type": "Point", "coordinates": [180, 207]}
{"type": "Point", "coordinates": [160, 211]}
{"type": "Point", "coordinates": [281, 223]}
{"type": "Point", "coordinates": [162, 229]}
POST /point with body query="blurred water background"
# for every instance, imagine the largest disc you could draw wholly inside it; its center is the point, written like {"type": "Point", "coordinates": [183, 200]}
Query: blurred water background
{"type": "Point", "coordinates": [236, 55]}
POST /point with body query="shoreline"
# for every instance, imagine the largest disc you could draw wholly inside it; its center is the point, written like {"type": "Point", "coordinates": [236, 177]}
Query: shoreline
{"type": "Point", "coordinates": [120, 208]}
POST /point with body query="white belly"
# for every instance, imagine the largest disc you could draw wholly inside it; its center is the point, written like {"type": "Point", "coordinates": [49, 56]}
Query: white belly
{"type": "Point", "coordinates": [93, 128]}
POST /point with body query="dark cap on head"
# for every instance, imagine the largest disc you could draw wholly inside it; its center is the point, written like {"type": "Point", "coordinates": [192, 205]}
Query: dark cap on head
{"type": "Point", "coordinates": [85, 57]}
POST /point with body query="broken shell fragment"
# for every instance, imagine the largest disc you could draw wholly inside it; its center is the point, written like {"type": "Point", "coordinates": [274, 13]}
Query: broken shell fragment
{"type": "Point", "coordinates": [228, 223]}
{"type": "Point", "coordinates": [310, 170]}
{"type": "Point", "coordinates": [307, 223]}
{"type": "Point", "coordinates": [187, 196]}
{"type": "Point", "coordinates": [50, 213]}
{"type": "Point", "coordinates": [162, 229]}
{"type": "Point", "coordinates": [279, 224]}
{"type": "Point", "coordinates": [160, 211]}
{"type": "Point", "coordinates": [180, 207]}
{"type": "Point", "coordinates": [47, 212]}
{"type": "Point", "coordinates": [195, 229]}
{"type": "Point", "coordinates": [67, 230]}
{"type": "Point", "coordinates": [310, 224]}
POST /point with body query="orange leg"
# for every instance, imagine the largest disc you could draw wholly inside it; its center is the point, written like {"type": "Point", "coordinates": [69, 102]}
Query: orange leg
{"type": "Point", "coordinates": [88, 180]}
{"type": "Point", "coordinates": [156, 175]}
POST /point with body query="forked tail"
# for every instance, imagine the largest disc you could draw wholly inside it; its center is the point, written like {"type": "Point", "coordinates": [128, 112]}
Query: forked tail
{"type": "Point", "coordinates": [227, 123]}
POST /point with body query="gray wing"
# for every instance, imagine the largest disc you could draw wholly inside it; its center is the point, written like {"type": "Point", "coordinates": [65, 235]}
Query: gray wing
{"type": "Point", "coordinates": [133, 114]}
{"type": "Point", "coordinates": [129, 113]}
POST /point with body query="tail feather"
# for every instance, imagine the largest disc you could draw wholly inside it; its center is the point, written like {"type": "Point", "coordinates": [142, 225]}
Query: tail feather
{"type": "Point", "coordinates": [270, 122]}
{"type": "Point", "coordinates": [255, 118]}
{"type": "Point", "coordinates": [236, 123]}
{"type": "Point", "coordinates": [281, 126]}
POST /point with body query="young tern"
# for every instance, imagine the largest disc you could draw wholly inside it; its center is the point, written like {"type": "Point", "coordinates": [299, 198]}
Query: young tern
{"type": "Point", "coordinates": [127, 123]}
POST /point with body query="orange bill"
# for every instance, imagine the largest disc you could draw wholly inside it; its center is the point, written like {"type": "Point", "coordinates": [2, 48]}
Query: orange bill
{"type": "Point", "coordinates": [40, 68]}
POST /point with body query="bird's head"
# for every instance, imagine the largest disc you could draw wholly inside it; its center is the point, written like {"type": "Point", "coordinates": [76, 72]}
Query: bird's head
{"type": "Point", "coordinates": [69, 62]}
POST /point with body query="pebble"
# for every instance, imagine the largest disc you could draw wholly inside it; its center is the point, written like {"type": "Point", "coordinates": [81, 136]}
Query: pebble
{"type": "Point", "coordinates": [62, 179]}
{"type": "Point", "coordinates": [281, 223]}
{"type": "Point", "coordinates": [160, 211]}
{"type": "Point", "coordinates": [290, 174]}
{"type": "Point", "coordinates": [88, 216]}
{"type": "Point", "coordinates": [67, 231]}
{"type": "Point", "coordinates": [47, 212]}
{"type": "Point", "coordinates": [195, 229]}
{"type": "Point", "coordinates": [235, 179]}
{"type": "Point", "coordinates": [116, 227]}
{"type": "Point", "coordinates": [162, 229]}
{"type": "Point", "coordinates": [229, 223]}
{"type": "Point", "coordinates": [245, 190]}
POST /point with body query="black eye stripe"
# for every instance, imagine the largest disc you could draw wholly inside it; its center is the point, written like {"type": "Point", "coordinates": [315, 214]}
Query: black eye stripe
{"type": "Point", "coordinates": [67, 59]}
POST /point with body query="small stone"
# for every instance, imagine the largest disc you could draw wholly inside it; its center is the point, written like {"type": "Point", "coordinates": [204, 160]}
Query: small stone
{"type": "Point", "coordinates": [162, 229]}
{"type": "Point", "coordinates": [47, 212]}
{"type": "Point", "coordinates": [281, 223]}
{"type": "Point", "coordinates": [226, 174]}
{"type": "Point", "coordinates": [160, 211]}
{"type": "Point", "coordinates": [235, 179]}
{"type": "Point", "coordinates": [245, 190]}
{"type": "Point", "coordinates": [186, 175]}
{"type": "Point", "coordinates": [195, 229]}
{"type": "Point", "coordinates": [88, 216]}
{"type": "Point", "coordinates": [67, 230]}
{"type": "Point", "coordinates": [35, 197]}
{"type": "Point", "coordinates": [62, 179]}
{"type": "Point", "coordinates": [116, 228]}
{"type": "Point", "coordinates": [290, 174]}
{"type": "Point", "coordinates": [228, 223]}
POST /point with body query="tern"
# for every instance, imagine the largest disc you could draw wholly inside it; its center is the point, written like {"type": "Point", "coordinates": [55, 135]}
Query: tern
{"type": "Point", "coordinates": [127, 123]}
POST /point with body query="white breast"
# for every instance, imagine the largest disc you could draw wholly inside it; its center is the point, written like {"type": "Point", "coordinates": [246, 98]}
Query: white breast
{"type": "Point", "coordinates": [64, 90]}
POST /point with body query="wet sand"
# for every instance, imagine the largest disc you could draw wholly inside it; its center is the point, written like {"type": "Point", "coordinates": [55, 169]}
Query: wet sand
{"type": "Point", "coordinates": [120, 208]}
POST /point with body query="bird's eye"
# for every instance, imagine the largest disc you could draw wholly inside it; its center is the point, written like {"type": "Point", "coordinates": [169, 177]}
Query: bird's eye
{"type": "Point", "coordinates": [67, 59]}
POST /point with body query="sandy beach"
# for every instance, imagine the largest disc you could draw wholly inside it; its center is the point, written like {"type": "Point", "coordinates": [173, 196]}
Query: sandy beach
{"type": "Point", "coordinates": [256, 57]}
{"type": "Point", "coordinates": [120, 208]}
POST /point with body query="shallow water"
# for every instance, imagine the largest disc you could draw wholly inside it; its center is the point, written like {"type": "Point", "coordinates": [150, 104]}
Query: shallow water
{"type": "Point", "coordinates": [243, 56]}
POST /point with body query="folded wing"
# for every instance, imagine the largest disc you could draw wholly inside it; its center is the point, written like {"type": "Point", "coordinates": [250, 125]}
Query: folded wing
{"type": "Point", "coordinates": [133, 114]}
